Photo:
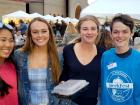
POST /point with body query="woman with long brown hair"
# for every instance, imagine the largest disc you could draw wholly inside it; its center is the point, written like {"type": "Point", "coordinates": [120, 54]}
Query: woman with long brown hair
{"type": "Point", "coordinates": [38, 65]}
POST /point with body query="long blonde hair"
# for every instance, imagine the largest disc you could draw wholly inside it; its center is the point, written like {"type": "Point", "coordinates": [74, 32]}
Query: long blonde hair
{"type": "Point", "coordinates": [52, 50]}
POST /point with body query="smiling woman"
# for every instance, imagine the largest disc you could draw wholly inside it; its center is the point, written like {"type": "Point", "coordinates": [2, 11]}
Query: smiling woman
{"type": "Point", "coordinates": [8, 80]}
{"type": "Point", "coordinates": [38, 66]}
{"type": "Point", "coordinates": [114, 66]}
{"type": "Point", "coordinates": [77, 66]}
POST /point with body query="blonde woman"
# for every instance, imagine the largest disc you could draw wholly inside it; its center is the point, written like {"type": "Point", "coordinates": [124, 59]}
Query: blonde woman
{"type": "Point", "coordinates": [82, 60]}
{"type": "Point", "coordinates": [38, 65]}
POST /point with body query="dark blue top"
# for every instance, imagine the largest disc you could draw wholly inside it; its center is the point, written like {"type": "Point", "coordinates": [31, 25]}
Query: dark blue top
{"type": "Point", "coordinates": [73, 69]}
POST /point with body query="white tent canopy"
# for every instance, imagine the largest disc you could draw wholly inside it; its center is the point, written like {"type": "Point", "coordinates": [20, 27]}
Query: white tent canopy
{"type": "Point", "coordinates": [34, 15]}
{"type": "Point", "coordinates": [25, 16]}
{"type": "Point", "coordinates": [49, 17]}
{"type": "Point", "coordinates": [17, 14]}
{"type": "Point", "coordinates": [67, 19]}
{"type": "Point", "coordinates": [59, 18]}
{"type": "Point", "coordinates": [108, 8]}
{"type": "Point", "coordinates": [72, 20]}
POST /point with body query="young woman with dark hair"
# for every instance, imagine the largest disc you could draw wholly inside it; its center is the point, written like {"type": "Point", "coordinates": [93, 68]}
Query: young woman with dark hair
{"type": "Point", "coordinates": [8, 80]}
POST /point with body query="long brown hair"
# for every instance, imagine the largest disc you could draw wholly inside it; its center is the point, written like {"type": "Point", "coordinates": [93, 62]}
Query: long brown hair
{"type": "Point", "coordinates": [52, 50]}
{"type": "Point", "coordinates": [106, 40]}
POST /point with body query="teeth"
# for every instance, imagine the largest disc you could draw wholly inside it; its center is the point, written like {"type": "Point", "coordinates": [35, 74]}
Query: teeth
{"type": "Point", "coordinates": [7, 50]}
{"type": "Point", "coordinates": [40, 40]}
{"type": "Point", "coordinates": [119, 40]}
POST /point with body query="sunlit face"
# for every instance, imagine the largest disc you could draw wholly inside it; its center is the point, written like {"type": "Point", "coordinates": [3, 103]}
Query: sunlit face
{"type": "Point", "coordinates": [40, 33]}
{"type": "Point", "coordinates": [89, 31]}
{"type": "Point", "coordinates": [6, 44]}
{"type": "Point", "coordinates": [120, 34]}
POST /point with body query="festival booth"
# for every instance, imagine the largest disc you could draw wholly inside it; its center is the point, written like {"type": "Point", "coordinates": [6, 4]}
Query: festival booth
{"type": "Point", "coordinates": [106, 9]}
{"type": "Point", "coordinates": [59, 18]}
{"type": "Point", "coordinates": [15, 16]}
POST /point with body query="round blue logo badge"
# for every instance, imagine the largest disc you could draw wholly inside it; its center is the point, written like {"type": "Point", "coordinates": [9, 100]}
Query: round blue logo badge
{"type": "Point", "coordinates": [119, 86]}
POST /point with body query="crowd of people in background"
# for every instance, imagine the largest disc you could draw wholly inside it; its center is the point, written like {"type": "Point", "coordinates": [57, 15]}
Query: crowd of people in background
{"type": "Point", "coordinates": [63, 33]}
{"type": "Point", "coordinates": [37, 56]}
{"type": "Point", "coordinates": [66, 32]}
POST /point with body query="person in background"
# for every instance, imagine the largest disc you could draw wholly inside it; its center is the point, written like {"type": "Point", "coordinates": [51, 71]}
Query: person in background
{"type": "Point", "coordinates": [106, 40]}
{"type": "Point", "coordinates": [19, 39]}
{"type": "Point", "coordinates": [57, 28]}
{"type": "Point", "coordinates": [8, 78]}
{"type": "Point", "coordinates": [22, 27]}
{"type": "Point", "coordinates": [12, 23]}
{"type": "Point", "coordinates": [120, 66]}
{"type": "Point", "coordinates": [70, 34]}
{"type": "Point", "coordinates": [38, 66]}
{"type": "Point", "coordinates": [82, 60]}
{"type": "Point", "coordinates": [63, 28]}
